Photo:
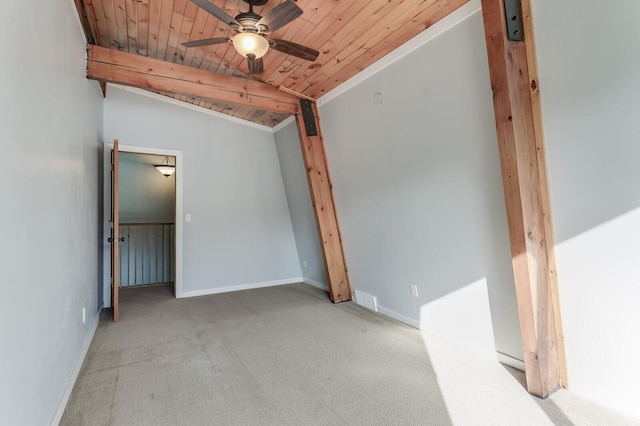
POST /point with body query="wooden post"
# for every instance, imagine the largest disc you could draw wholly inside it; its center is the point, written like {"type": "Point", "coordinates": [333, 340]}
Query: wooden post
{"type": "Point", "coordinates": [514, 80]}
{"type": "Point", "coordinates": [315, 161]}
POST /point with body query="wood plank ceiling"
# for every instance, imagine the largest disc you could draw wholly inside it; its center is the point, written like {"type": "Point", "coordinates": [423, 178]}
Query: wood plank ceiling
{"type": "Point", "coordinates": [349, 34]}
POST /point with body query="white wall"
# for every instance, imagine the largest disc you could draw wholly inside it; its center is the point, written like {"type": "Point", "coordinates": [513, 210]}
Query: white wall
{"type": "Point", "coordinates": [419, 193]}
{"type": "Point", "coordinates": [241, 232]}
{"type": "Point", "coordinates": [303, 219]}
{"type": "Point", "coordinates": [145, 194]}
{"type": "Point", "coordinates": [50, 128]}
{"type": "Point", "coordinates": [589, 64]}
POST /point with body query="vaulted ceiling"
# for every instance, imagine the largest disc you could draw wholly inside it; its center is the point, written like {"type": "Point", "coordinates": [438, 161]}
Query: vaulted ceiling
{"type": "Point", "coordinates": [349, 34]}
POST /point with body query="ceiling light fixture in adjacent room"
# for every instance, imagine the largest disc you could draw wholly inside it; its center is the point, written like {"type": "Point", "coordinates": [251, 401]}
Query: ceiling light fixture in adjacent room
{"type": "Point", "coordinates": [166, 168]}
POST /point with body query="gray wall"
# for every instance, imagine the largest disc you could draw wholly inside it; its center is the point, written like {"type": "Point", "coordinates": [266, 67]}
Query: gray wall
{"type": "Point", "coordinates": [419, 193]}
{"type": "Point", "coordinates": [589, 63]}
{"type": "Point", "coordinates": [302, 216]}
{"type": "Point", "coordinates": [240, 232]}
{"type": "Point", "coordinates": [145, 194]}
{"type": "Point", "coordinates": [50, 128]}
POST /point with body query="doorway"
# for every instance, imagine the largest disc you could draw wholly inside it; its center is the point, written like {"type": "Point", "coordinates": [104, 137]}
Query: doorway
{"type": "Point", "coordinates": [147, 210]}
{"type": "Point", "coordinates": [152, 249]}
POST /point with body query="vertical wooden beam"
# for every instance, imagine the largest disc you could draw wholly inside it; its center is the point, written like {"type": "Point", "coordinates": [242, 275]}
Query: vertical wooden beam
{"type": "Point", "coordinates": [532, 64]}
{"type": "Point", "coordinates": [315, 161]}
{"type": "Point", "coordinates": [514, 80]}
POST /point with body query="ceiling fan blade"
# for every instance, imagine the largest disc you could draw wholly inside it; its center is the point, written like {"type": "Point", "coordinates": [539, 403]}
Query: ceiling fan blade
{"type": "Point", "coordinates": [280, 15]}
{"type": "Point", "coordinates": [256, 66]}
{"type": "Point", "coordinates": [206, 42]}
{"type": "Point", "coordinates": [217, 12]}
{"type": "Point", "coordinates": [294, 49]}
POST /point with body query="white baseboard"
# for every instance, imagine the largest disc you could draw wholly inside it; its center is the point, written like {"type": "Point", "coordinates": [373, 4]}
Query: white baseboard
{"type": "Point", "coordinates": [239, 287]}
{"type": "Point", "coordinates": [76, 371]}
{"type": "Point", "coordinates": [396, 316]}
{"type": "Point", "coordinates": [314, 283]}
{"type": "Point", "coordinates": [510, 361]}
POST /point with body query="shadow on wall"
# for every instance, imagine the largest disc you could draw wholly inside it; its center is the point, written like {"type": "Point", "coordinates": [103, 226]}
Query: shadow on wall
{"type": "Point", "coordinates": [473, 329]}
{"type": "Point", "coordinates": [420, 212]}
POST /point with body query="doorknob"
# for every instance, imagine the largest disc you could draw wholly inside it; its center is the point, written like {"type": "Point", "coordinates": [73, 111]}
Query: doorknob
{"type": "Point", "coordinates": [111, 239]}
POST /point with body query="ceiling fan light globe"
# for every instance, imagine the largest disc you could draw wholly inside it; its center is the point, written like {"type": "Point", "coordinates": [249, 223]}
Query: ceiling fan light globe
{"type": "Point", "coordinates": [250, 44]}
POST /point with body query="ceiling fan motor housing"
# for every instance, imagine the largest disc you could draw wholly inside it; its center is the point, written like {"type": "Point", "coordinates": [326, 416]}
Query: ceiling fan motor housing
{"type": "Point", "coordinates": [249, 23]}
{"type": "Point", "coordinates": [256, 2]}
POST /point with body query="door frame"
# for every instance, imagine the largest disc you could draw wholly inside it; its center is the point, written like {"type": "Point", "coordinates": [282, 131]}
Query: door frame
{"type": "Point", "coordinates": [106, 250]}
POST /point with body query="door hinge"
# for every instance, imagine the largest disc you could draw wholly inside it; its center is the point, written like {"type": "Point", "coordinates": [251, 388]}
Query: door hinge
{"type": "Point", "coordinates": [513, 14]}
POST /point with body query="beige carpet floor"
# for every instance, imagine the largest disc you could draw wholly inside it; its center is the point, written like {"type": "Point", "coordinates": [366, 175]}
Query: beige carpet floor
{"type": "Point", "coordinates": [286, 356]}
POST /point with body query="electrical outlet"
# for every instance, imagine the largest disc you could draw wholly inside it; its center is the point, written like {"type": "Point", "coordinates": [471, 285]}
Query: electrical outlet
{"type": "Point", "coordinates": [414, 290]}
{"type": "Point", "coordinates": [84, 315]}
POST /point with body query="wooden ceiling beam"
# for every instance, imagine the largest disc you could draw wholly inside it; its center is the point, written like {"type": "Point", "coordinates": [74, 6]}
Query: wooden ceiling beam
{"type": "Point", "coordinates": [112, 66]}
{"type": "Point", "coordinates": [514, 80]}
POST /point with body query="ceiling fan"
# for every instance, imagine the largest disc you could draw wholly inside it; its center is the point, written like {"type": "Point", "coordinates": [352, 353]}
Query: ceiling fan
{"type": "Point", "coordinates": [252, 31]}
